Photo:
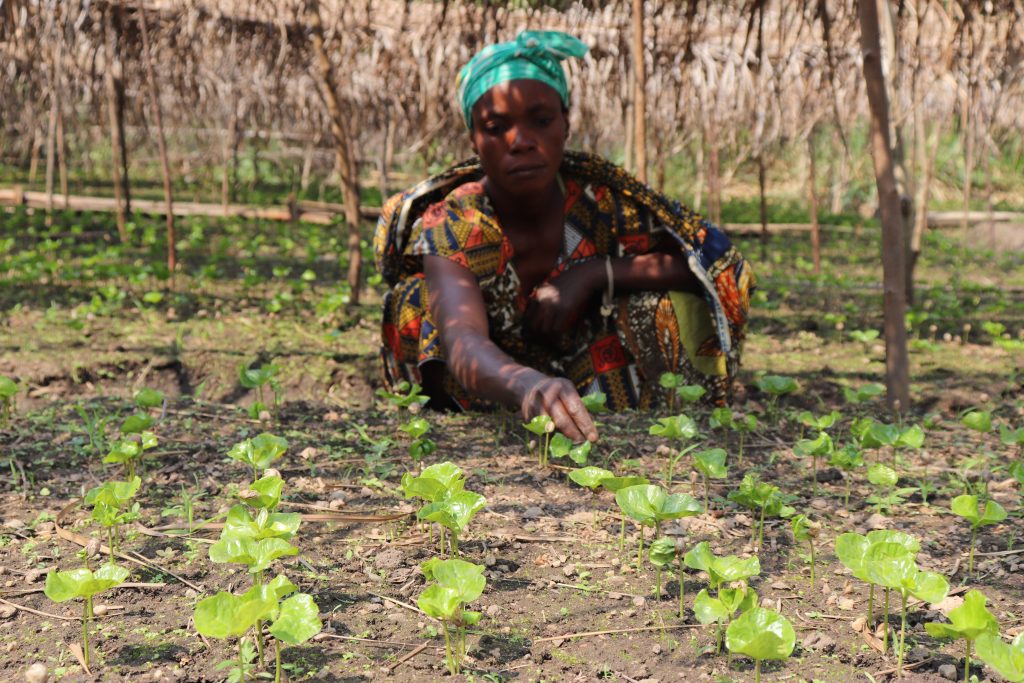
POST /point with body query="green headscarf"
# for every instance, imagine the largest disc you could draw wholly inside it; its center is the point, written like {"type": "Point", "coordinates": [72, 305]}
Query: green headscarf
{"type": "Point", "coordinates": [534, 55]}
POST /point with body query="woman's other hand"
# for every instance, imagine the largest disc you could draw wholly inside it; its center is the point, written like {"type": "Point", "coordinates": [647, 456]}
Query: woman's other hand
{"type": "Point", "coordinates": [557, 398]}
{"type": "Point", "coordinates": [557, 304]}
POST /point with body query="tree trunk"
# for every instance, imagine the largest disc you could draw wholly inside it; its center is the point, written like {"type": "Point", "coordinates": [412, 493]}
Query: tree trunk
{"type": "Point", "coordinates": [698, 164]}
{"type": "Point", "coordinates": [967, 137]}
{"type": "Point", "coordinates": [345, 154]}
{"type": "Point", "coordinates": [896, 359]}
{"type": "Point", "coordinates": [165, 167]}
{"type": "Point", "coordinates": [639, 91]}
{"type": "Point", "coordinates": [116, 142]}
{"type": "Point", "coordinates": [762, 181]}
{"type": "Point", "coordinates": [62, 155]}
{"type": "Point", "coordinates": [812, 202]}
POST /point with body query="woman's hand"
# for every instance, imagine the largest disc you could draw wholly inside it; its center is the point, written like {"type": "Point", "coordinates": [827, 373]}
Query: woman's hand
{"type": "Point", "coordinates": [556, 305]}
{"type": "Point", "coordinates": [558, 399]}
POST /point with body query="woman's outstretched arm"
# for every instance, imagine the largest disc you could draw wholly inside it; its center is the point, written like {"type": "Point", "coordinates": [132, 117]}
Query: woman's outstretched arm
{"type": "Point", "coordinates": [457, 308]}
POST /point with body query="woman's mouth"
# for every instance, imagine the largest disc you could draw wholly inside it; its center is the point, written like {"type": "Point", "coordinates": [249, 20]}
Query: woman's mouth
{"type": "Point", "coordinates": [525, 171]}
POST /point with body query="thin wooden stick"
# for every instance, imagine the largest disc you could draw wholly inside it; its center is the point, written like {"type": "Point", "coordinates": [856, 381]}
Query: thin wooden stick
{"type": "Point", "coordinates": [587, 634]}
{"type": "Point", "coordinates": [391, 667]}
{"type": "Point", "coordinates": [33, 611]}
{"type": "Point", "coordinates": [368, 641]}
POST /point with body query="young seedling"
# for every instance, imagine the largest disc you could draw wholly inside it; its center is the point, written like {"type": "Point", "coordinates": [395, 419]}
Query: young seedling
{"type": "Point", "coordinates": [761, 634]}
{"type": "Point", "coordinates": [83, 583]}
{"type": "Point", "coordinates": [762, 497]}
{"type": "Point", "coordinates": [852, 550]}
{"type": "Point", "coordinates": [8, 391]}
{"type": "Point", "coordinates": [562, 446]}
{"type": "Point", "coordinates": [1007, 659]}
{"type": "Point", "coordinates": [679, 428]}
{"type": "Point", "coordinates": [226, 615]}
{"type": "Point", "coordinates": [724, 418]}
{"type": "Point", "coordinates": [775, 386]}
{"type": "Point", "coordinates": [815, 448]}
{"type": "Point", "coordinates": [651, 505]}
{"type": "Point", "coordinates": [670, 381]}
{"type": "Point", "coordinates": [662, 553]}
{"type": "Point", "coordinates": [406, 395]}
{"type": "Point", "coordinates": [590, 477]}
{"type": "Point", "coordinates": [1012, 437]}
{"type": "Point", "coordinates": [259, 452]}
{"type": "Point", "coordinates": [727, 576]}
{"type": "Point", "coordinates": [543, 426]}
{"type": "Point", "coordinates": [110, 508]}
{"type": "Point", "coordinates": [847, 458]}
{"type": "Point", "coordinates": [885, 478]}
{"type": "Point", "coordinates": [453, 584]}
{"type": "Point", "coordinates": [977, 420]}
{"type": "Point", "coordinates": [969, 622]}
{"type": "Point", "coordinates": [258, 378]}
{"type": "Point", "coordinates": [129, 452]}
{"type": "Point", "coordinates": [863, 394]}
{"type": "Point", "coordinates": [453, 513]}
{"type": "Point", "coordinates": [966, 506]}
{"type": "Point", "coordinates": [416, 428]}
{"type": "Point", "coordinates": [892, 566]}
{"type": "Point", "coordinates": [594, 478]}
{"type": "Point", "coordinates": [711, 465]}
{"type": "Point", "coordinates": [297, 620]}
{"type": "Point", "coordinates": [806, 531]}
{"type": "Point", "coordinates": [818, 423]}
{"type": "Point", "coordinates": [596, 402]}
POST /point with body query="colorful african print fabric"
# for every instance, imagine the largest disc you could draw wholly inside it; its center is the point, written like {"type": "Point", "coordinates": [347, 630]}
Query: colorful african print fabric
{"type": "Point", "coordinates": [607, 213]}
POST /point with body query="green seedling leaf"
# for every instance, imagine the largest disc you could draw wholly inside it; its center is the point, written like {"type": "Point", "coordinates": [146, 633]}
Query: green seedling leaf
{"type": "Point", "coordinates": [260, 451]}
{"type": "Point", "coordinates": [253, 378]}
{"type": "Point", "coordinates": [465, 578]}
{"type": "Point", "coordinates": [1007, 659]}
{"type": "Point", "coordinates": [241, 524]}
{"type": "Point", "coordinates": [882, 475]}
{"type": "Point", "coordinates": [851, 549]}
{"type": "Point", "coordinates": [776, 385]}
{"type": "Point", "coordinates": [721, 418]}
{"type": "Point", "coordinates": [848, 457]}
{"type": "Point", "coordinates": [662, 552]}
{"type": "Point", "coordinates": [298, 620]}
{"type": "Point", "coordinates": [123, 451]}
{"type": "Point", "coordinates": [282, 586]}
{"type": "Point", "coordinates": [930, 587]}
{"type": "Point", "coordinates": [615, 484]}
{"type": "Point", "coordinates": [435, 483]}
{"type": "Point", "coordinates": [912, 438]}
{"type": "Point", "coordinates": [579, 454]}
{"type": "Point", "coordinates": [560, 445]}
{"type": "Point", "coordinates": [978, 420]}
{"type": "Point", "coordinates": [540, 425]}
{"type": "Point", "coordinates": [264, 492]}
{"type": "Point", "coordinates": [420, 448]}
{"type": "Point", "coordinates": [808, 419]}
{"type": "Point", "coordinates": [590, 477]}
{"type": "Point", "coordinates": [113, 493]}
{"type": "Point", "coordinates": [651, 505]}
{"type": "Point", "coordinates": [139, 422]}
{"type": "Point", "coordinates": [256, 554]}
{"type": "Point", "coordinates": [670, 380]}
{"type": "Point", "coordinates": [679, 427]}
{"type": "Point", "coordinates": [967, 621]}
{"type": "Point", "coordinates": [440, 602]}
{"type": "Point", "coordinates": [7, 388]}
{"type": "Point", "coordinates": [890, 565]}
{"type": "Point", "coordinates": [83, 583]}
{"type": "Point", "coordinates": [1011, 437]}
{"type": "Point", "coordinates": [890, 536]}
{"type": "Point", "coordinates": [146, 398]}
{"type": "Point", "coordinates": [595, 402]}
{"type": "Point", "coordinates": [711, 463]}
{"type": "Point", "coordinates": [691, 392]}
{"type": "Point", "coordinates": [816, 447]}
{"type": "Point", "coordinates": [721, 569]}
{"type": "Point", "coordinates": [709, 610]}
{"type": "Point", "coordinates": [761, 634]}
{"type": "Point", "coordinates": [454, 512]}
{"type": "Point", "coordinates": [864, 393]}
{"type": "Point", "coordinates": [804, 530]}
{"type": "Point", "coordinates": [880, 434]}
{"type": "Point", "coordinates": [405, 395]}
{"type": "Point", "coordinates": [416, 427]}
{"type": "Point", "coordinates": [966, 506]}
{"type": "Point", "coordinates": [225, 615]}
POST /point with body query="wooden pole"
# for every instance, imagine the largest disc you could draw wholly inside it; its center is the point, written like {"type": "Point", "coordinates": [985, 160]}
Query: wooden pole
{"type": "Point", "coordinates": [115, 128]}
{"type": "Point", "coordinates": [639, 92]}
{"type": "Point", "coordinates": [812, 202]}
{"type": "Point", "coordinates": [345, 155]}
{"type": "Point", "coordinates": [165, 168]}
{"type": "Point", "coordinates": [897, 364]}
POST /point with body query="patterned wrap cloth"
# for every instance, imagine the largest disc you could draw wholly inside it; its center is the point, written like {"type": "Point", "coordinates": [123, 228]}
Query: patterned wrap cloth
{"type": "Point", "coordinates": [607, 212]}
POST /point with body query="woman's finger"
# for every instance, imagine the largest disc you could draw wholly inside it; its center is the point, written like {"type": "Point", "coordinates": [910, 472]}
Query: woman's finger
{"type": "Point", "coordinates": [563, 422]}
{"type": "Point", "coordinates": [580, 416]}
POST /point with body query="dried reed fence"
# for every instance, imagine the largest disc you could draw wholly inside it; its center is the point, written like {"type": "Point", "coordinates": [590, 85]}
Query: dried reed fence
{"type": "Point", "coordinates": [356, 89]}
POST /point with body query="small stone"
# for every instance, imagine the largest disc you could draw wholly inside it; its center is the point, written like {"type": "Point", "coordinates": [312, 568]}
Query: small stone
{"type": "Point", "coordinates": [191, 593]}
{"type": "Point", "coordinates": [639, 601]}
{"type": "Point", "coordinates": [614, 596]}
{"type": "Point", "coordinates": [819, 504]}
{"type": "Point", "coordinates": [15, 523]}
{"type": "Point", "coordinates": [533, 512]}
{"type": "Point", "coordinates": [7, 611]}
{"type": "Point", "coordinates": [493, 611]}
{"type": "Point", "coordinates": [37, 673]}
{"type": "Point", "coordinates": [568, 570]}
{"type": "Point", "coordinates": [845, 604]}
{"type": "Point", "coordinates": [490, 560]}
{"type": "Point", "coordinates": [781, 586]}
{"type": "Point", "coordinates": [309, 452]}
{"type": "Point", "coordinates": [656, 649]}
{"type": "Point", "coordinates": [821, 642]}
{"type": "Point", "coordinates": [336, 504]}
{"type": "Point", "coordinates": [373, 608]}
{"type": "Point", "coordinates": [948, 671]}
{"type": "Point", "coordinates": [33, 575]}
{"type": "Point", "coordinates": [365, 492]}
{"type": "Point", "coordinates": [877, 521]}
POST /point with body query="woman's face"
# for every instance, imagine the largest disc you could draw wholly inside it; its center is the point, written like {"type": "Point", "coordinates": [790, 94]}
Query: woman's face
{"type": "Point", "coordinates": [519, 133]}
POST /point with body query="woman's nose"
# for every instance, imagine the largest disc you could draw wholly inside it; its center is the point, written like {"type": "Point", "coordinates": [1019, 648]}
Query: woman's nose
{"type": "Point", "coordinates": [521, 138]}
